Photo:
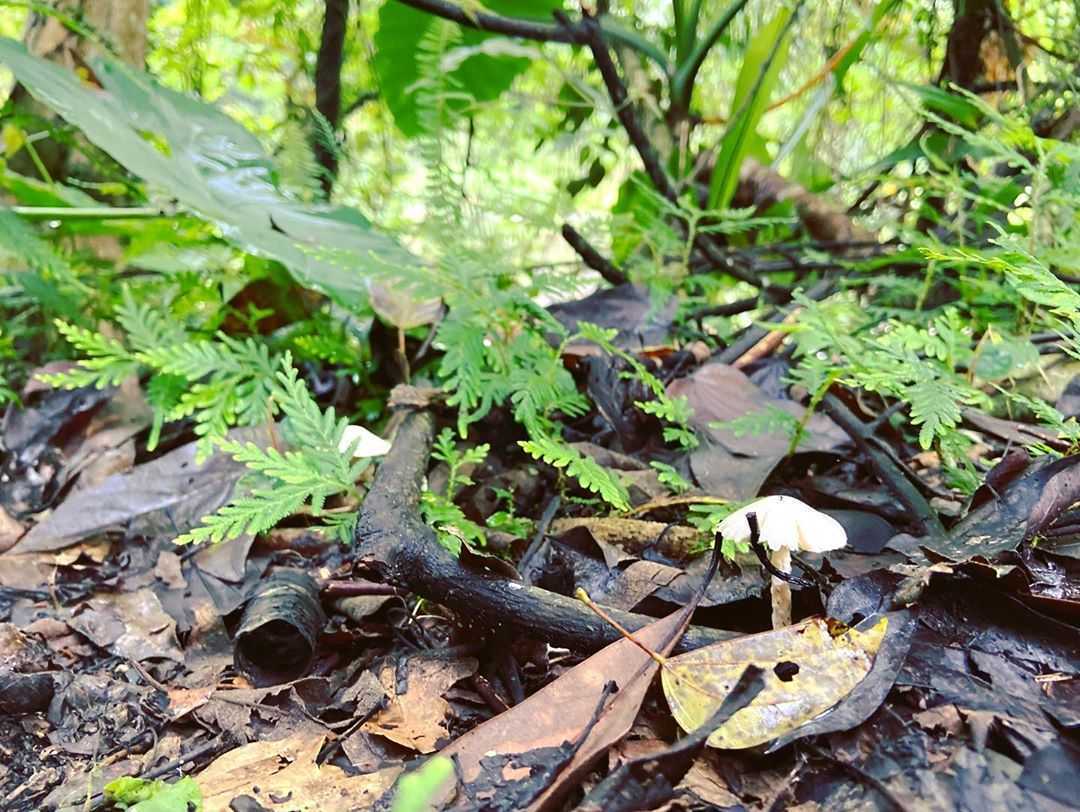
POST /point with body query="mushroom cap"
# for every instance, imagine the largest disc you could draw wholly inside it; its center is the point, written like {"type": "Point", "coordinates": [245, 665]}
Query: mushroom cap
{"type": "Point", "coordinates": [367, 443]}
{"type": "Point", "coordinates": [786, 522]}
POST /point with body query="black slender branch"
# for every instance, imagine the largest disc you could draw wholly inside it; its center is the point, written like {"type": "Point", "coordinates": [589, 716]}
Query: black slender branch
{"type": "Point", "coordinates": [328, 86]}
{"type": "Point", "coordinates": [727, 309]}
{"type": "Point", "coordinates": [496, 23]}
{"type": "Point", "coordinates": [590, 32]}
{"type": "Point", "coordinates": [366, 97]}
{"type": "Point", "coordinates": [591, 257]}
{"type": "Point", "coordinates": [593, 36]}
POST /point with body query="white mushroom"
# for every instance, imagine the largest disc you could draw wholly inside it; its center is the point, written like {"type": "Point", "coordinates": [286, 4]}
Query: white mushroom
{"type": "Point", "coordinates": [367, 443]}
{"type": "Point", "coordinates": [785, 524]}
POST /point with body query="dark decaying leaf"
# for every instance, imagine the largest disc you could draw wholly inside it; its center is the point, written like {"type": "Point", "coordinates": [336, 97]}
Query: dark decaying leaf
{"type": "Point", "coordinates": [732, 464]}
{"type": "Point", "coordinates": [621, 580]}
{"type": "Point", "coordinates": [162, 497]}
{"type": "Point", "coordinates": [1028, 506]}
{"type": "Point", "coordinates": [641, 320]}
{"type": "Point", "coordinates": [32, 465]}
{"type": "Point", "coordinates": [26, 431]}
{"type": "Point", "coordinates": [1055, 771]}
{"type": "Point", "coordinates": [131, 625]}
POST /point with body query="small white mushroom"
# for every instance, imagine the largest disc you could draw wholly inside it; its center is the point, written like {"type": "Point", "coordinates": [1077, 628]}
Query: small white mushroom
{"type": "Point", "coordinates": [367, 443]}
{"type": "Point", "coordinates": [785, 524]}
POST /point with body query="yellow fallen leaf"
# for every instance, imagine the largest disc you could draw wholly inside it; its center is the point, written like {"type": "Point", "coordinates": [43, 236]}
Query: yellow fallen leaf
{"type": "Point", "coordinates": [808, 669]}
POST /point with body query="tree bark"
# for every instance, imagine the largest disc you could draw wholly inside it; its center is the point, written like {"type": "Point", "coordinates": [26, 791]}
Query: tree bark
{"type": "Point", "coordinates": [328, 87]}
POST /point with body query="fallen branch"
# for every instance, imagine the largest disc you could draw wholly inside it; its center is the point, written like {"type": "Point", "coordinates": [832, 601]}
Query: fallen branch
{"type": "Point", "coordinates": [394, 545]}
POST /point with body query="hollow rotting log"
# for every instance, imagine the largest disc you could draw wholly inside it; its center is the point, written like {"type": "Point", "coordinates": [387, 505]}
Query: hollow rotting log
{"type": "Point", "coordinates": [395, 546]}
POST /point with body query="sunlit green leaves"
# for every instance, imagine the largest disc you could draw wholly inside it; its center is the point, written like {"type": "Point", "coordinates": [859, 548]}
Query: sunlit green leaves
{"type": "Point", "coordinates": [214, 167]}
{"type": "Point", "coordinates": [762, 63]}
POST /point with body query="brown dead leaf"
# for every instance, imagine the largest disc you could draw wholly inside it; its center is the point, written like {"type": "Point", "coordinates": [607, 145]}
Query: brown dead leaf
{"type": "Point", "coordinates": [416, 717]}
{"type": "Point", "coordinates": [183, 701]}
{"type": "Point", "coordinates": [163, 497]}
{"type": "Point", "coordinates": [10, 531]}
{"type": "Point", "coordinates": [562, 712]}
{"type": "Point", "coordinates": [95, 550]}
{"type": "Point", "coordinates": [287, 769]}
{"type": "Point", "coordinates": [735, 466]}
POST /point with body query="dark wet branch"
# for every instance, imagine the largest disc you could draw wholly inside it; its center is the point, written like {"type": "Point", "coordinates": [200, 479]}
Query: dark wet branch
{"type": "Point", "coordinates": [394, 544]}
{"type": "Point", "coordinates": [495, 23]}
{"type": "Point", "coordinates": [591, 257]}
{"type": "Point", "coordinates": [364, 98]}
{"type": "Point", "coordinates": [592, 35]}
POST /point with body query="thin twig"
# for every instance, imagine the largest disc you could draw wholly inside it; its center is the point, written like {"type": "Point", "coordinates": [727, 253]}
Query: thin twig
{"type": "Point", "coordinates": [592, 35]}
{"type": "Point", "coordinates": [496, 23]}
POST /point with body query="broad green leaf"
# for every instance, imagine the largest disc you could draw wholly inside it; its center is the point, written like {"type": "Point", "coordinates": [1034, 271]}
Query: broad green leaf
{"type": "Point", "coordinates": [808, 669]}
{"type": "Point", "coordinates": [481, 76]}
{"type": "Point", "coordinates": [33, 192]}
{"type": "Point", "coordinates": [1006, 357]}
{"type": "Point", "coordinates": [214, 167]}
{"type": "Point", "coordinates": [765, 58]}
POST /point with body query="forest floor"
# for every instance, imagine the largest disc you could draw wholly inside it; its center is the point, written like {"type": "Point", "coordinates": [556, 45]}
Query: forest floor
{"type": "Point", "coordinates": [287, 672]}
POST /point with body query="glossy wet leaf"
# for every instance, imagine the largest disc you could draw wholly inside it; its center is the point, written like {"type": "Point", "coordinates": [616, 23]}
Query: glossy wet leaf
{"type": "Point", "coordinates": [216, 168]}
{"type": "Point", "coordinates": [808, 670]}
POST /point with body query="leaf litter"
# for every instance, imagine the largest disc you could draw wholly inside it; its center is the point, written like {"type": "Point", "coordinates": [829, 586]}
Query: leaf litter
{"type": "Point", "coordinates": [924, 672]}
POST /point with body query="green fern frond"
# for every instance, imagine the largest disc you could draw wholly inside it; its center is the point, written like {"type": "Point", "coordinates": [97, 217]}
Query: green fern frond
{"type": "Point", "coordinates": [589, 474]}
{"type": "Point", "coordinates": [310, 473]}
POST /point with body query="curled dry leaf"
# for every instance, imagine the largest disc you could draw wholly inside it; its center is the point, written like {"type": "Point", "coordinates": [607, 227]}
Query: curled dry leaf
{"type": "Point", "coordinates": [808, 670]}
{"type": "Point", "coordinates": [287, 769]}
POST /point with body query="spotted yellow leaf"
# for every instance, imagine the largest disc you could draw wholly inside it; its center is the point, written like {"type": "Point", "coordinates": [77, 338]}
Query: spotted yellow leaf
{"type": "Point", "coordinates": [809, 667]}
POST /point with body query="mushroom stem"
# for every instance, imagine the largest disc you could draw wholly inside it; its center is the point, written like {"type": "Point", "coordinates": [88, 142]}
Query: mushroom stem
{"type": "Point", "coordinates": [780, 590]}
